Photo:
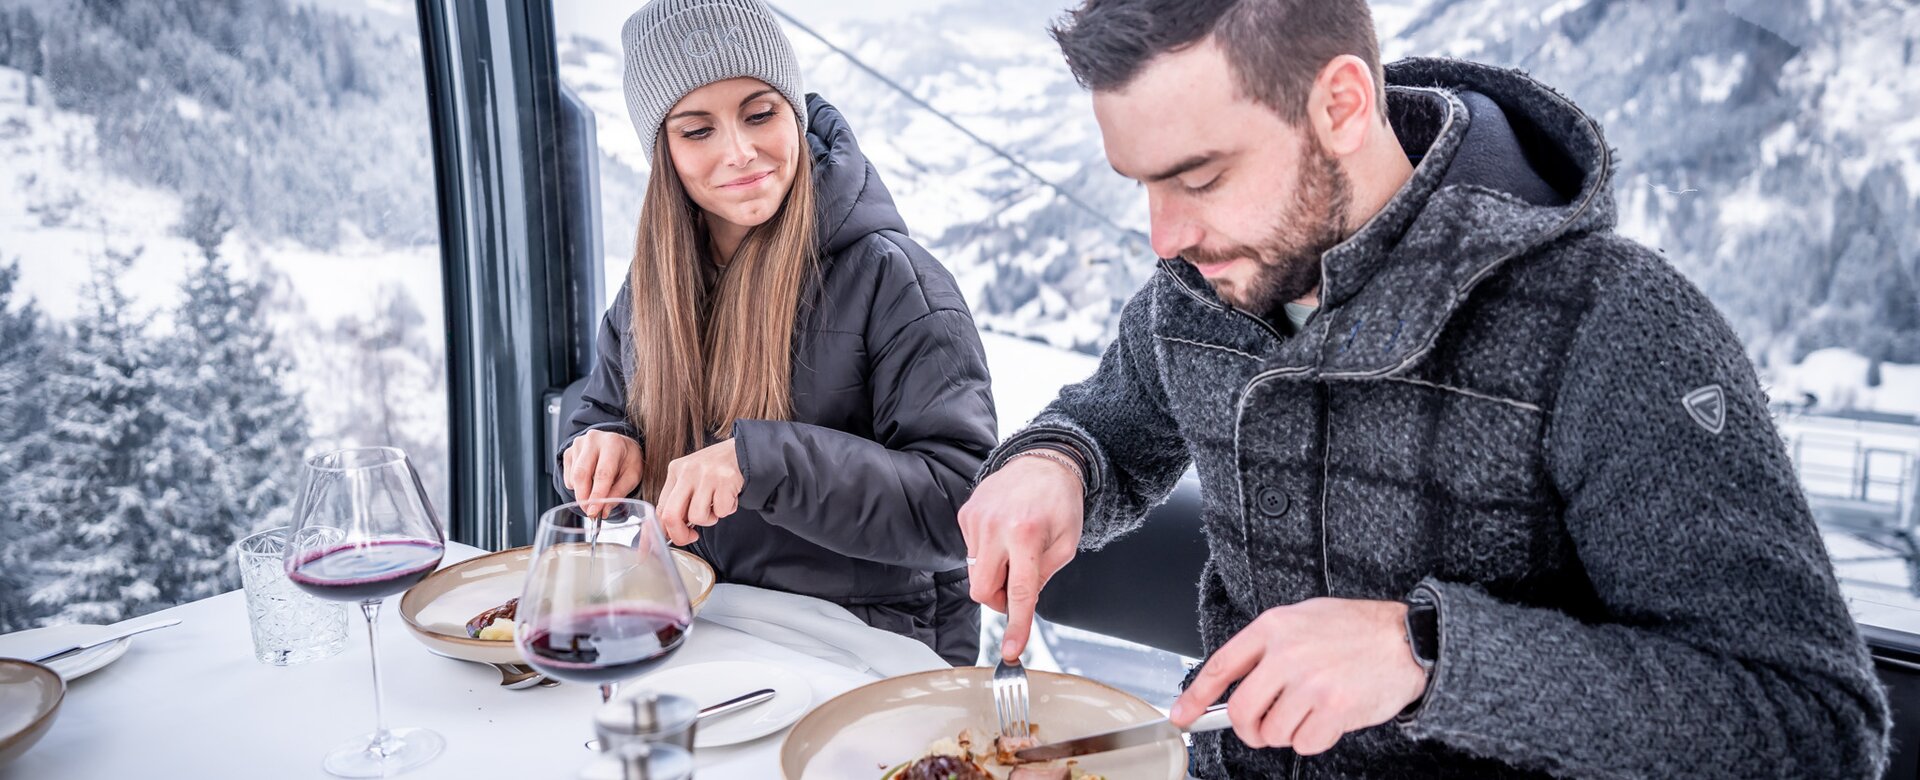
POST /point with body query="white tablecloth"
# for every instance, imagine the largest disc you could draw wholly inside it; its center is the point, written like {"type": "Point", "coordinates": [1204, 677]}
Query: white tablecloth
{"type": "Point", "coordinates": [191, 701]}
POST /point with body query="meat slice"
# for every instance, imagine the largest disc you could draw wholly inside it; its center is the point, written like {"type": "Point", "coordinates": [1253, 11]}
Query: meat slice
{"type": "Point", "coordinates": [944, 768]}
{"type": "Point", "coordinates": [484, 619]}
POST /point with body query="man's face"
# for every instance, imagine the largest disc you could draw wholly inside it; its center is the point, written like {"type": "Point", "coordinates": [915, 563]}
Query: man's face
{"type": "Point", "coordinates": [1248, 199]}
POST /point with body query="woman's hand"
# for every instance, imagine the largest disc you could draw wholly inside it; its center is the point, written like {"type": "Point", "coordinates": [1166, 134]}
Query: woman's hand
{"type": "Point", "coordinates": [600, 465]}
{"type": "Point", "coordinates": [701, 488]}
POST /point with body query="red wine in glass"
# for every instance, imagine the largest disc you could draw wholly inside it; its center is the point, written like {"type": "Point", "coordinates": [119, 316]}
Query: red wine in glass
{"type": "Point", "coordinates": [604, 644]}
{"type": "Point", "coordinates": [366, 571]}
{"type": "Point", "coordinates": [363, 531]}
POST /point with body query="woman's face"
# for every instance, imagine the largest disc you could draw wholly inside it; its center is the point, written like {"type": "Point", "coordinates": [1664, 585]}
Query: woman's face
{"type": "Point", "coordinates": [735, 145]}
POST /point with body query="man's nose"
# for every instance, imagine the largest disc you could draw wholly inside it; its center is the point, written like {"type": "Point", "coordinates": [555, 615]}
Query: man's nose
{"type": "Point", "coordinates": [1173, 230]}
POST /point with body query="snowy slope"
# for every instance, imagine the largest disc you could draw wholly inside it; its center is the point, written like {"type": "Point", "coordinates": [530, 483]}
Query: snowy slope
{"type": "Point", "coordinates": [67, 210]}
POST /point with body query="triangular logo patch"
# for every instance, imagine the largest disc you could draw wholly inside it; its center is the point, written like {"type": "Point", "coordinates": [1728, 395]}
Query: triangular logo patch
{"type": "Point", "coordinates": [1708, 407]}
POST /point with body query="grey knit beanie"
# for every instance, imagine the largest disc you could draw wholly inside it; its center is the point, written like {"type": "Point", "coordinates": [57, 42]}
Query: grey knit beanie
{"type": "Point", "coordinates": [674, 47]}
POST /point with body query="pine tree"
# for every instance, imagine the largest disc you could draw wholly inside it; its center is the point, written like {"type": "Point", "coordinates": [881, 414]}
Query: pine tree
{"type": "Point", "coordinates": [395, 374]}
{"type": "Point", "coordinates": [100, 494]}
{"type": "Point", "coordinates": [236, 432]}
{"type": "Point", "coordinates": [22, 441]}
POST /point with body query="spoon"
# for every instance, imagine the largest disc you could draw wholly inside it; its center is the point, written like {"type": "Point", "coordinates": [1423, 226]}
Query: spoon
{"type": "Point", "coordinates": [516, 677]}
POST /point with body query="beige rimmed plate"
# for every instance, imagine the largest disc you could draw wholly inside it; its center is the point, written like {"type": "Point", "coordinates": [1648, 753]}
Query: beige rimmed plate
{"type": "Point", "coordinates": [865, 732]}
{"type": "Point", "coordinates": [30, 695]}
{"type": "Point", "coordinates": [437, 610]}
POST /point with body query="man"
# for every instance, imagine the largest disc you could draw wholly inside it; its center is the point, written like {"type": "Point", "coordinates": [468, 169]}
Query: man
{"type": "Point", "coordinates": [1489, 490]}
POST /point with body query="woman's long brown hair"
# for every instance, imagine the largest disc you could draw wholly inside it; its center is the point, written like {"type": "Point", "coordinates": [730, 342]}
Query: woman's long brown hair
{"type": "Point", "coordinates": [703, 359]}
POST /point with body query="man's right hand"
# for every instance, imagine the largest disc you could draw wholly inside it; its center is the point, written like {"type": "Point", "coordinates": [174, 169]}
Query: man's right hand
{"type": "Point", "coordinates": [601, 464]}
{"type": "Point", "coordinates": [1021, 525]}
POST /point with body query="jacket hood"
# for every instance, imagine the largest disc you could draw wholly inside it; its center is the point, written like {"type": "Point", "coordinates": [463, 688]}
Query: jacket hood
{"type": "Point", "coordinates": [1503, 165]}
{"type": "Point", "coordinates": [852, 202]}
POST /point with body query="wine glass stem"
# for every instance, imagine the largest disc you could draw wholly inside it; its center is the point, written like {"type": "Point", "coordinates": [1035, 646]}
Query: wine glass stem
{"type": "Point", "coordinates": [372, 610]}
{"type": "Point", "coordinates": [607, 691]}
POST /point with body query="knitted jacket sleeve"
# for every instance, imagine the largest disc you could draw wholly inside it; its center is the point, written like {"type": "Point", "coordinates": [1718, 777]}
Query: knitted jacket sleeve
{"type": "Point", "coordinates": [1723, 647]}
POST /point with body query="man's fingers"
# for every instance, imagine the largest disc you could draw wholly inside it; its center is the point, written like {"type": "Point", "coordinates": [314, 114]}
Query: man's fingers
{"type": "Point", "coordinates": [987, 579]}
{"type": "Point", "coordinates": [1282, 718]}
{"type": "Point", "coordinates": [1230, 663]}
{"type": "Point", "coordinates": [1023, 593]}
{"type": "Point", "coordinates": [1252, 699]}
{"type": "Point", "coordinates": [1317, 734]}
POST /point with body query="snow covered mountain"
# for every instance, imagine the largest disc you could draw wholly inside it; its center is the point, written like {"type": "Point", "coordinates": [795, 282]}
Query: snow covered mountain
{"type": "Point", "coordinates": [1769, 148]}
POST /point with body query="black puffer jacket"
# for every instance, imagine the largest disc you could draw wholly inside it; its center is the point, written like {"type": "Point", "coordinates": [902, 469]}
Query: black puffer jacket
{"type": "Point", "coordinates": [854, 499]}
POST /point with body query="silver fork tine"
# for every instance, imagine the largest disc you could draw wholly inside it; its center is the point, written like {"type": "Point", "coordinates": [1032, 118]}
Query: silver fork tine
{"type": "Point", "coordinates": [1026, 720]}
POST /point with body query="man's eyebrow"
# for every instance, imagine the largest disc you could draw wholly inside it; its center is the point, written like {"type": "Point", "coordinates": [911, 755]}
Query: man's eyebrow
{"type": "Point", "coordinates": [1181, 167]}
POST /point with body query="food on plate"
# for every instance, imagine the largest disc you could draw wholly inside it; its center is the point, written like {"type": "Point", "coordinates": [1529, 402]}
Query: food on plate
{"type": "Point", "coordinates": [486, 625]}
{"type": "Point", "coordinates": [944, 768]}
{"type": "Point", "coordinates": [500, 630]}
{"type": "Point", "coordinates": [953, 758]}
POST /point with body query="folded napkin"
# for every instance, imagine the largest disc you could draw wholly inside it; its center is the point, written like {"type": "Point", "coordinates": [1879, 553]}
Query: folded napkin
{"type": "Point", "coordinates": [817, 628]}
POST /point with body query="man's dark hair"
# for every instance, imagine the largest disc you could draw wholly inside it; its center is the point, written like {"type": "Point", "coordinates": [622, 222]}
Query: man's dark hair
{"type": "Point", "coordinates": [1275, 47]}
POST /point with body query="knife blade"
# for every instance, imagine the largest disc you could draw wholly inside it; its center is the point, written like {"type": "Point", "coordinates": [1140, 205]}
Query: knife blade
{"type": "Point", "coordinates": [1214, 719]}
{"type": "Point", "coordinates": [114, 637]}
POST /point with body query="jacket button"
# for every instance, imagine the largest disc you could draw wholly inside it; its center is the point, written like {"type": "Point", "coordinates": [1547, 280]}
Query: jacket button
{"type": "Point", "coordinates": [1272, 501]}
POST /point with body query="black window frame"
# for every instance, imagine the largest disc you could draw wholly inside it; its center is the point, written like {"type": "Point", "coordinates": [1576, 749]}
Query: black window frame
{"type": "Point", "coordinates": [519, 257]}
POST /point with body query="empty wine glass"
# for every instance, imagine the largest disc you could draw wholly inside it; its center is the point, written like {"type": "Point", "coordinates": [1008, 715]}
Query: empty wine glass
{"type": "Point", "coordinates": [363, 531]}
{"type": "Point", "coordinates": [603, 600]}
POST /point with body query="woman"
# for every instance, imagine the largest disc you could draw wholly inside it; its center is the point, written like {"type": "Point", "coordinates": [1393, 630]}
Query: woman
{"type": "Point", "coordinates": [795, 384]}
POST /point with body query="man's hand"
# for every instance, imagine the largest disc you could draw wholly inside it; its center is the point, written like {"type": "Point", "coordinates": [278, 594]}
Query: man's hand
{"type": "Point", "coordinates": [1021, 525]}
{"type": "Point", "coordinates": [700, 489]}
{"type": "Point", "coordinates": [600, 465]}
{"type": "Point", "coordinates": [1309, 673]}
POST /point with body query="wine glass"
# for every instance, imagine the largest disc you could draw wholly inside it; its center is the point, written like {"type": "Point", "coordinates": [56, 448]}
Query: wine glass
{"type": "Point", "coordinates": [604, 600]}
{"type": "Point", "coordinates": [364, 531]}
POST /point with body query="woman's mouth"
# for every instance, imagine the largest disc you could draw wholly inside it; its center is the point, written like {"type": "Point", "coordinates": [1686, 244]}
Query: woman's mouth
{"type": "Point", "coordinates": [746, 181]}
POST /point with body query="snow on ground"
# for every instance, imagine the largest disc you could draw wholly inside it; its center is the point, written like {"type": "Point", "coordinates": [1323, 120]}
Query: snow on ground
{"type": "Point", "coordinates": [1838, 378]}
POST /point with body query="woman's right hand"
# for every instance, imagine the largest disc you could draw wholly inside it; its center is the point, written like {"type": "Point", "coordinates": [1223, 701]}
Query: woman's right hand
{"type": "Point", "coordinates": [601, 464]}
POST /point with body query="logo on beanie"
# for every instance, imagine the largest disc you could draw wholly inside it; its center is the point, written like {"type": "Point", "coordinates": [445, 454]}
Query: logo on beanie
{"type": "Point", "coordinates": [704, 42]}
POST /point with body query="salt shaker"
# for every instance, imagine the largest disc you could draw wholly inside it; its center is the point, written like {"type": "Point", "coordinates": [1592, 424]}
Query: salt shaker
{"type": "Point", "coordinates": [649, 717]}
{"type": "Point", "coordinates": [641, 761]}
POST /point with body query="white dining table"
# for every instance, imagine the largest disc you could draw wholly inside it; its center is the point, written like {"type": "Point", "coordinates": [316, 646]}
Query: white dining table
{"type": "Point", "coordinates": [192, 702]}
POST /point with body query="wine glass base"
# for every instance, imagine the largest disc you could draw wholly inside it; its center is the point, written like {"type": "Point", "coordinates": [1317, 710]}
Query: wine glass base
{"type": "Point", "coordinates": [370, 756]}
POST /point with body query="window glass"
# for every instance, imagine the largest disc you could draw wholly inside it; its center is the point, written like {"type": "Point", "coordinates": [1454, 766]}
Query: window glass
{"type": "Point", "coordinates": [218, 254]}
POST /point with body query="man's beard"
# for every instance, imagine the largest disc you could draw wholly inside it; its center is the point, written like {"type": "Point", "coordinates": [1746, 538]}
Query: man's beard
{"type": "Point", "coordinates": [1288, 261]}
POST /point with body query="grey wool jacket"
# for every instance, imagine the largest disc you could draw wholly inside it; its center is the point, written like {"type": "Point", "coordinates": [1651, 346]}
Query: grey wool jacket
{"type": "Point", "coordinates": [1507, 410]}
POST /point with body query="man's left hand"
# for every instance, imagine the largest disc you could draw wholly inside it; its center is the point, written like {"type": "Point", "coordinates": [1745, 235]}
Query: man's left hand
{"type": "Point", "coordinates": [1309, 673]}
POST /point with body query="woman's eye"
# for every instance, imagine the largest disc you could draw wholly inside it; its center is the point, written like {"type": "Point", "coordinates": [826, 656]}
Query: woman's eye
{"type": "Point", "coordinates": [761, 117]}
{"type": "Point", "coordinates": [696, 133]}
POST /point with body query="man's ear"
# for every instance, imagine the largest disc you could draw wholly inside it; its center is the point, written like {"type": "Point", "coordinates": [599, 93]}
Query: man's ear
{"type": "Point", "coordinates": [1342, 106]}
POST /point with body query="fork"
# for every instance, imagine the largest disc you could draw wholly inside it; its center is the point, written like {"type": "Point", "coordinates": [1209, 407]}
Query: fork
{"type": "Point", "coordinates": [1010, 699]}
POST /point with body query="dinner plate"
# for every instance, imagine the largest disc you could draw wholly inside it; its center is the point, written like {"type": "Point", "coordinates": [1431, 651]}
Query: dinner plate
{"type": "Point", "coordinates": [436, 611]}
{"type": "Point", "coordinates": [713, 682]}
{"type": "Point", "coordinates": [30, 695]}
{"type": "Point", "coordinates": [37, 642]}
{"type": "Point", "coordinates": [864, 733]}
